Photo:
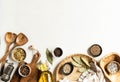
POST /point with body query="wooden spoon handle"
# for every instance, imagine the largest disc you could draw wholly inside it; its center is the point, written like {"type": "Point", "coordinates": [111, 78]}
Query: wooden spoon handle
{"type": "Point", "coordinates": [36, 57]}
{"type": "Point", "coordinates": [14, 46]}
{"type": "Point", "coordinates": [3, 59]}
{"type": "Point", "coordinates": [6, 53]}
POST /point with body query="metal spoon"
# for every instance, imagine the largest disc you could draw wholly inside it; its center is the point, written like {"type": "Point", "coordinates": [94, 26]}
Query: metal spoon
{"type": "Point", "coordinates": [9, 38]}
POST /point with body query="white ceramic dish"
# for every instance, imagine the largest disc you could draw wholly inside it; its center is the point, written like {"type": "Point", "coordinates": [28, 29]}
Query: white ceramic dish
{"type": "Point", "coordinates": [18, 54]}
{"type": "Point", "coordinates": [24, 70]}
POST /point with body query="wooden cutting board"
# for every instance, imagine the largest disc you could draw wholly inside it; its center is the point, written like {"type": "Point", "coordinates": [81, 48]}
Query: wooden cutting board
{"type": "Point", "coordinates": [34, 75]}
{"type": "Point", "coordinates": [75, 74]}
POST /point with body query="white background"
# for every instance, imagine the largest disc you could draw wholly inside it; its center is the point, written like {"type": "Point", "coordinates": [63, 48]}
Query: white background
{"type": "Point", "coordinates": [73, 25]}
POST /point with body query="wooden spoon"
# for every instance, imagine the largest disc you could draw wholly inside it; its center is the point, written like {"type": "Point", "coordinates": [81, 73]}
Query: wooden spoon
{"type": "Point", "coordinates": [20, 40]}
{"type": "Point", "coordinates": [9, 38]}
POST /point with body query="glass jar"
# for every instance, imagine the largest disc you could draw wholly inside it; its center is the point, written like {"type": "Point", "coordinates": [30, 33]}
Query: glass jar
{"type": "Point", "coordinates": [46, 75]}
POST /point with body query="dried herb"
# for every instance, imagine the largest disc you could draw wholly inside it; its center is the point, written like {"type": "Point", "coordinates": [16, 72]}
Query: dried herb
{"type": "Point", "coordinates": [84, 61]}
{"type": "Point", "coordinates": [49, 56]}
{"type": "Point", "coordinates": [81, 63]}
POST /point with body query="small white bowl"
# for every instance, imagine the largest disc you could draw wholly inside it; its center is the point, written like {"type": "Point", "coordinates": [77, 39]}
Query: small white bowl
{"type": "Point", "coordinates": [24, 70]}
{"type": "Point", "coordinates": [18, 54]}
{"type": "Point", "coordinates": [113, 67]}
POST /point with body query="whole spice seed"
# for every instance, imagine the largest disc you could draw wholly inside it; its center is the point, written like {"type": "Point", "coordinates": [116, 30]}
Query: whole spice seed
{"type": "Point", "coordinates": [24, 70]}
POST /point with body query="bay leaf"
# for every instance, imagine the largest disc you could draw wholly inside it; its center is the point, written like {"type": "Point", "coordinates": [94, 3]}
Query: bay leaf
{"type": "Point", "coordinates": [85, 61]}
{"type": "Point", "coordinates": [49, 56]}
{"type": "Point", "coordinates": [76, 64]}
{"type": "Point", "coordinates": [77, 60]}
{"type": "Point", "coordinates": [82, 69]}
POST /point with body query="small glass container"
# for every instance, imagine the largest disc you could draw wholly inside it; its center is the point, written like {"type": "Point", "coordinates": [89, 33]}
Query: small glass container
{"type": "Point", "coordinates": [46, 75]}
{"type": "Point", "coordinates": [7, 73]}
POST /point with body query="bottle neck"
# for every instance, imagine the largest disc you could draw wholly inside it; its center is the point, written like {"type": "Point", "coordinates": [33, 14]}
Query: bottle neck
{"type": "Point", "coordinates": [43, 66]}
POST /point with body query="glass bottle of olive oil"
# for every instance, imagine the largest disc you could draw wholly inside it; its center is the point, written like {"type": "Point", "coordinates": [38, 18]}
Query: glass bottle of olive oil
{"type": "Point", "coordinates": [46, 75]}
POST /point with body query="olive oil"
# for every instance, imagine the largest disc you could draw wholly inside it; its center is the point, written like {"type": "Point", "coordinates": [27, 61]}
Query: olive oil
{"type": "Point", "coordinates": [46, 75]}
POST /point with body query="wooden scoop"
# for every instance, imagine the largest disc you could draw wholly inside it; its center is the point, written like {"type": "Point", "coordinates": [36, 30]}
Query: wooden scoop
{"type": "Point", "coordinates": [105, 61]}
{"type": "Point", "coordinates": [33, 75]}
{"type": "Point", "coordinates": [9, 38]}
{"type": "Point", "coordinates": [20, 40]}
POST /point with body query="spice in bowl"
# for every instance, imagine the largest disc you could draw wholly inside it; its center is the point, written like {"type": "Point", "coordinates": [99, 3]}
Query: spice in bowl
{"type": "Point", "coordinates": [18, 54]}
{"type": "Point", "coordinates": [67, 68]}
{"type": "Point", "coordinates": [58, 52]}
{"type": "Point", "coordinates": [95, 50]}
{"type": "Point", "coordinates": [113, 67]}
{"type": "Point", "coordinates": [24, 70]}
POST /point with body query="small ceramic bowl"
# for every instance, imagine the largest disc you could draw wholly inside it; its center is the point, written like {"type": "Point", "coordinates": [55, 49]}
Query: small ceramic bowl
{"type": "Point", "coordinates": [95, 50]}
{"type": "Point", "coordinates": [24, 70]}
{"type": "Point", "coordinates": [113, 67]}
{"type": "Point", "coordinates": [67, 68]}
{"type": "Point", "coordinates": [18, 54]}
{"type": "Point", "coordinates": [58, 52]}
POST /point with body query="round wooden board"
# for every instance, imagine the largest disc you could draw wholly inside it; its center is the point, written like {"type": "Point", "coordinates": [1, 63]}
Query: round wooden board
{"type": "Point", "coordinates": [75, 74]}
